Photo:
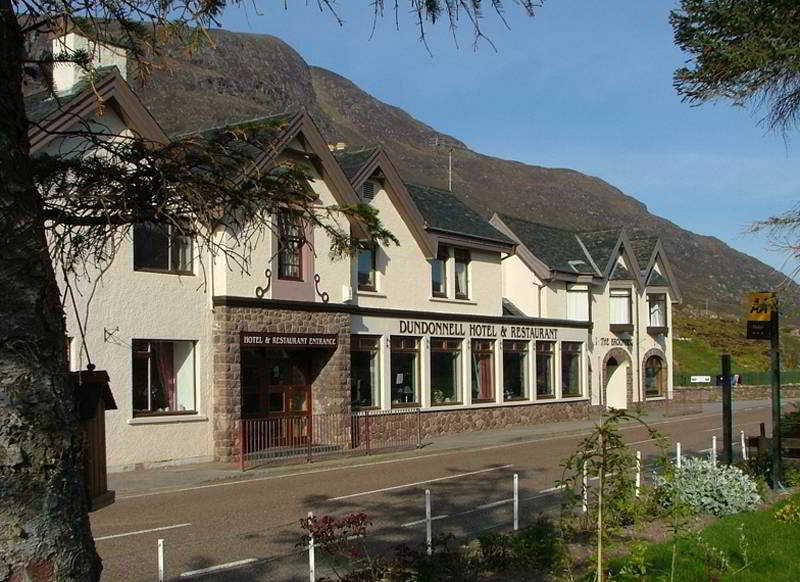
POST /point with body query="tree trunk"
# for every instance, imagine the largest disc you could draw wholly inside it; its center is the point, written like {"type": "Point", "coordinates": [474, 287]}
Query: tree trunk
{"type": "Point", "coordinates": [44, 524]}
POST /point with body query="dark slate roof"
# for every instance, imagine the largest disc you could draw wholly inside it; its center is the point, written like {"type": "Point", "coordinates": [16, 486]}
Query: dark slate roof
{"type": "Point", "coordinates": [555, 247]}
{"type": "Point", "coordinates": [620, 273]}
{"type": "Point", "coordinates": [41, 105]}
{"type": "Point", "coordinates": [444, 211]}
{"type": "Point", "coordinates": [352, 161]}
{"type": "Point", "coordinates": [510, 309]}
{"type": "Point", "coordinates": [642, 249]}
{"type": "Point", "coordinates": [600, 244]}
{"type": "Point", "coordinates": [657, 279]}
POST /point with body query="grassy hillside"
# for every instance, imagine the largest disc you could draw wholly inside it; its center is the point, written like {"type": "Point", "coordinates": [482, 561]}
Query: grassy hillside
{"type": "Point", "coordinates": [698, 342]}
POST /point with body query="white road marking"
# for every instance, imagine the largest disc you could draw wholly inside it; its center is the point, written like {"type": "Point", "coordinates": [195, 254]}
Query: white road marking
{"type": "Point", "coordinates": [458, 451]}
{"type": "Point", "coordinates": [738, 425]}
{"type": "Point", "coordinates": [418, 483]}
{"type": "Point", "coordinates": [141, 531]}
{"type": "Point", "coordinates": [229, 565]}
{"type": "Point", "coordinates": [639, 442]}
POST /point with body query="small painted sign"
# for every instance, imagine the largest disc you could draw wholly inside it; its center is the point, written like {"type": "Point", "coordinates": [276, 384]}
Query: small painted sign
{"type": "Point", "coordinates": [761, 307]}
{"type": "Point", "coordinates": [700, 379]}
{"type": "Point", "coordinates": [289, 340]}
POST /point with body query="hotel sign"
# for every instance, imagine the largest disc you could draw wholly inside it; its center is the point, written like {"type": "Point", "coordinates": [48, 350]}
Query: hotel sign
{"type": "Point", "coordinates": [290, 340]}
{"type": "Point", "coordinates": [478, 330]}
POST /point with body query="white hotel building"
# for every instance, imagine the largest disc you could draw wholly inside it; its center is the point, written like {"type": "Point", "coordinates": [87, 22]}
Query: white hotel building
{"type": "Point", "coordinates": [478, 324]}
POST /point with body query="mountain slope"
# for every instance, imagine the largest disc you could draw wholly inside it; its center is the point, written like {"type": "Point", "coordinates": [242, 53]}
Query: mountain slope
{"type": "Point", "coordinates": [249, 75]}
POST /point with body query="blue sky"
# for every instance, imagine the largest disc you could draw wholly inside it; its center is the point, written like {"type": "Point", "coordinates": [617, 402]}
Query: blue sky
{"type": "Point", "coordinates": [584, 85]}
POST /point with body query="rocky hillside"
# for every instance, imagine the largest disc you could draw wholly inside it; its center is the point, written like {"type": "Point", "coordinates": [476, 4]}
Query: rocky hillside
{"type": "Point", "coordinates": [248, 76]}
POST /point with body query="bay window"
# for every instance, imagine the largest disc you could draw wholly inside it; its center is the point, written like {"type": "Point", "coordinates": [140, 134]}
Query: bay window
{"type": "Point", "coordinates": [515, 370]}
{"type": "Point", "coordinates": [545, 366]}
{"type": "Point", "coordinates": [482, 370]}
{"type": "Point", "coordinates": [445, 371]}
{"type": "Point", "coordinates": [365, 371]}
{"type": "Point", "coordinates": [570, 369]}
{"type": "Point", "coordinates": [163, 377]}
{"type": "Point", "coordinates": [161, 247]}
{"type": "Point", "coordinates": [404, 367]}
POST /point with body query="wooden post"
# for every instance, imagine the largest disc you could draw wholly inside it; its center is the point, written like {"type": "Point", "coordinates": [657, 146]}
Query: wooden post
{"type": "Point", "coordinates": [775, 369]}
{"type": "Point", "coordinates": [428, 528]}
{"type": "Point", "coordinates": [727, 413]}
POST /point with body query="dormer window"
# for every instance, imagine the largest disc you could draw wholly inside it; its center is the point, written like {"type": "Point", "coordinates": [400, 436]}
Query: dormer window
{"type": "Point", "coordinates": [462, 259]}
{"type": "Point", "coordinates": [439, 272]}
{"type": "Point", "coordinates": [368, 191]}
{"type": "Point", "coordinates": [620, 310]}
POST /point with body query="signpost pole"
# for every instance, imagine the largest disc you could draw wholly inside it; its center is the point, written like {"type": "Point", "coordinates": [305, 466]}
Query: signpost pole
{"type": "Point", "coordinates": [775, 368]}
{"type": "Point", "coordinates": [727, 413]}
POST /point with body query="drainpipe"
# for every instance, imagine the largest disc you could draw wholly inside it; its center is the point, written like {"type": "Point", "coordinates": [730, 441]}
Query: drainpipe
{"type": "Point", "coordinates": [638, 354]}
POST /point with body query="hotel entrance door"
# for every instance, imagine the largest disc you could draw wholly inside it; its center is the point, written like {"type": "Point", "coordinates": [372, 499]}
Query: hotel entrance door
{"type": "Point", "coordinates": [276, 387]}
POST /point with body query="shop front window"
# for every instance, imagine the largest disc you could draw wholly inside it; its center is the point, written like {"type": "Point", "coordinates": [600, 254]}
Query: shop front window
{"type": "Point", "coordinates": [654, 377]}
{"type": "Point", "coordinates": [163, 377]}
{"type": "Point", "coordinates": [483, 370]}
{"type": "Point", "coordinates": [365, 371]}
{"type": "Point", "coordinates": [545, 363]}
{"type": "Point", "coordinates": [404, 366]}
{"type": "Point", "coordinates": [445, 371]}
{"type": "Point", "coordinates": [570, 369]}
{"type": "Point", "coordinates": [515, 370]}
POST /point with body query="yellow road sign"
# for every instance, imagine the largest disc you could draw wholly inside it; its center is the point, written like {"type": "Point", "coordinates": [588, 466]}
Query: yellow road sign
{"type": "Point", "coordinates": [761, 306]}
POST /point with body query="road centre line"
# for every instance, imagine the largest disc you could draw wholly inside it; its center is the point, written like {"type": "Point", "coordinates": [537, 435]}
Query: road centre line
{"type": "Point", "coordinates": [458, 451]}
{"type": "Point", "coordinates": [394, 487]}
{"type": "Point", "coordinates": [226, 566]}
{"type": "Point", "coordinates": [738, 425]}
{"type": "Point", "coordinates": [142, 531]}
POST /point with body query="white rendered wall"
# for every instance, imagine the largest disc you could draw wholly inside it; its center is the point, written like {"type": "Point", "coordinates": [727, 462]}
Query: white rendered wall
{"type": "Point", "coordinates": [521, 286]}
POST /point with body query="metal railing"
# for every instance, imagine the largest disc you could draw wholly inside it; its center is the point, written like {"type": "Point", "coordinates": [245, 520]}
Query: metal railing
{"type": "Point", "coordinates": [304, 437]}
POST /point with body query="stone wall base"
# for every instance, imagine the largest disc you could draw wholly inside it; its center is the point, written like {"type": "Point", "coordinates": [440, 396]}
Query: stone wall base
{"type": "Point", "coordinates": [714, 394]}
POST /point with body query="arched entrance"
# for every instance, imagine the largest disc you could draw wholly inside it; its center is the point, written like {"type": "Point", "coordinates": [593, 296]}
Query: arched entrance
{"type": "Point", "coordinates": [654, 375]}
{"type": "Point", "coordinates": [618, 380]}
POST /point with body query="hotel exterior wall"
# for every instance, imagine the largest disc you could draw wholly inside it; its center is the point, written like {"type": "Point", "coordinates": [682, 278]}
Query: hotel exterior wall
{"type": "Point", "coordinates": [521, 286]}
{"type": "Point", "coordinates": [131, 305]}
{"type": "Point", "coordinates": [404, 274]}
{"type": "Point", "coordinates": [330, 391]}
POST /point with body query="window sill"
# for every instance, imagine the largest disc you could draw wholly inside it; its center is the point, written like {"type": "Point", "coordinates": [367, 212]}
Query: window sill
{"type": "Point", "coordinates": [164, 272]}
{"type": "Point", "coordinates": [621, 328]}
{"type": "Point", "coordinates": [457, 301]}
{"type": "Point", "coordinates": [652, 398]}
{"type": "Point", "coordinates": [365, 293]}
{"type": "Point", "coordinates": [167, 419]}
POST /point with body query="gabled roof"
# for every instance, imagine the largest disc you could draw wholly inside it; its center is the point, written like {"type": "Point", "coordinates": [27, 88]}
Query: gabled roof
{"type": "Point", "coordinates": [50, 114]}
{"type": "Point", "coordinates": [445, 213]}
{"type": "Point", "coordinates": [353, 161]}
{"type": "Point", "coordinates": [558, 249]}
{"type": "Point", "coordinates": [602, 246]}
{"type": "Point", "coordinates": [652, 278]}
{"type": "Point", "coordinates": [279, 131]}
{"type": "Point", "coordinates": [642, 248]}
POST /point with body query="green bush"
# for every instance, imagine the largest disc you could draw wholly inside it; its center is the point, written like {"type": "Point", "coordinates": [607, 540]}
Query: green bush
{"type": "Point", "coordinates": [537, 547]}
{"type": "Point", "coordinates": [789, 512]}
{"type": "Point", "coordinates": [791, 475]}
{"type": "Point", "coordinates": [705, 488]}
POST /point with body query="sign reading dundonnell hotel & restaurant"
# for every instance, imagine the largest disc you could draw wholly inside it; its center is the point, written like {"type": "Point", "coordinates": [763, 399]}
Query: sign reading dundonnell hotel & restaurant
{"type": "Point", "coordinates": [416, 327]}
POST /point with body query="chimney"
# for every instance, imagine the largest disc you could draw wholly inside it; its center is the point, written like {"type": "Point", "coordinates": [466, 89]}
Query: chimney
{"type": "Point", "coordinates": [67, 75]}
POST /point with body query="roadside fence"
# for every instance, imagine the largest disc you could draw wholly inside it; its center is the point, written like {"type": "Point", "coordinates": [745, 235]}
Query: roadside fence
{"type": "Point", "coordinates": [305, 437]}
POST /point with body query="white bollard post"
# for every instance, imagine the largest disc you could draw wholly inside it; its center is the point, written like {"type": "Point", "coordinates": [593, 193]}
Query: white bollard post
{"type": "Point", "coordinates": [428, 532]}
{"type": "Point", "coordinates": [160, 560]}
{"type": "Point", "coordinates": [744, 446]}
{"type": "Point", "coordinates": [714, 450]}
{"type": "Point", "coordinates": [678, 455]}
{"type": "Point", "coordinates": [585, 505]}
{"type": "Point", "coordinates": [638, 472]}
{"type": "Point", "coordinates": [516, 501]}
{"type": "Point", "coordinates": [312, 562]}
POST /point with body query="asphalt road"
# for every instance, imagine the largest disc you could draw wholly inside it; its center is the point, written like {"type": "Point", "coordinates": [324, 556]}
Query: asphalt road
{"type": "Point", "coordinates": [256, 521]}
